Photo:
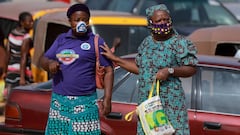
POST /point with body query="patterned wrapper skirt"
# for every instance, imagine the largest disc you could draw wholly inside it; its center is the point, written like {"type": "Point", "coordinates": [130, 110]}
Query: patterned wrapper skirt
{"type": "Point", "coordinates": [73, 115]}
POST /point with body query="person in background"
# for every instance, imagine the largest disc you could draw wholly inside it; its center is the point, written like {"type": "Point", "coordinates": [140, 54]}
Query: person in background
{"type": "Point", "coordinates": [18, 50]}
{"type": "Point", "coordinates": [71, 61]}
{"type": "Point", "coordinates": [3, 66]}
{"type": "Point", "coordinates": [166, 56]}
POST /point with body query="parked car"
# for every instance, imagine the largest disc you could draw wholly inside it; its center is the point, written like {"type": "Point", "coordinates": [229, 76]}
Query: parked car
{"type": "Point", "coordinates": [187, 15]}
{"type": "Point", "coordinates": [220, 40]}
{"type": "Point", "coordinates": [212, 97]}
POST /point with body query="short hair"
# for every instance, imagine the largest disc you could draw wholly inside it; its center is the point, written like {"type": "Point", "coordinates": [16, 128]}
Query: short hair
{"type": "Point", "coordinates": [77, 7]}
{"type": "Point", "coordinates": [22, 16]}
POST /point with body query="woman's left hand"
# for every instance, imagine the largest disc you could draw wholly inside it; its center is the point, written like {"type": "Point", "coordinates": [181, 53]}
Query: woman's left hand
{"type": "Point", "coordinates": [106, 107]}
{"type": "Point", "coordinates": [162, 74]}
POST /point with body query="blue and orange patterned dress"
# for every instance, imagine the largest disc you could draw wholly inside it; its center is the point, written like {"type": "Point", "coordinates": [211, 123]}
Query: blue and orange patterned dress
{"type": "Point", "coordinates": [154, 55]}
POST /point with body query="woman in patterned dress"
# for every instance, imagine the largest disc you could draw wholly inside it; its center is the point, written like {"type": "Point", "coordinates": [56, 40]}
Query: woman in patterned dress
{"type": "Point", "coordinates": [167, 56]}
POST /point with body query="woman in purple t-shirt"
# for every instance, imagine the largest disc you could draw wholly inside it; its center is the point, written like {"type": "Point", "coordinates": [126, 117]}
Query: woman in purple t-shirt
{"type": "Point", "coordinates": [71, 60]}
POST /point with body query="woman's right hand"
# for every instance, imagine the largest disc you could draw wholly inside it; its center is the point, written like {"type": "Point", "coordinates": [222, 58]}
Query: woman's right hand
{"type": "Point", "coordinates": [108, 53]}
{"type": "Point", "coordinates": [53, 67]}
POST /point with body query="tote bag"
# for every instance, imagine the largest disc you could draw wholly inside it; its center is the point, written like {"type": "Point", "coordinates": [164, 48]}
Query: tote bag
{"type": "Point", "coordinates": [152, 116]}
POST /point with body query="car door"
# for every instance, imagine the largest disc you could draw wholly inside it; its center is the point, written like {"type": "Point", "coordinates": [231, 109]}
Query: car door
{"type": "Point", "coordinates": [218, 98]}
{"type": "Point", "coordinates": [189, 87]}
{"type": "Point", "coordinates": [124, 98]}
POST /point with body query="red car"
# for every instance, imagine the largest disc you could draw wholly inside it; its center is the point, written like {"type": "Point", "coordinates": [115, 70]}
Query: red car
{"type": "Point", "coordinates": [212, 98]}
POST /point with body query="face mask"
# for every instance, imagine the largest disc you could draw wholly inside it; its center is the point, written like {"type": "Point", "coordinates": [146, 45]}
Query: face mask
{"type": "Point", "coordinates": [161, 29]}
{"type": "Point", "coordinates": [81, 27]}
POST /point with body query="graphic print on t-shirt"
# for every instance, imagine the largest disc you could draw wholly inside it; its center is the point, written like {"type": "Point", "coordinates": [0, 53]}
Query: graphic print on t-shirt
{"type": "Point", "coordinates": [85, 46]}
{"type": "Point", "coordinates": [67, 56]}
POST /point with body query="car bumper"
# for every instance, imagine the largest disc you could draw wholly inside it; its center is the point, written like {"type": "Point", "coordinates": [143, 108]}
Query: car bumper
{"type": "Point", "coordinates": [4, 130]}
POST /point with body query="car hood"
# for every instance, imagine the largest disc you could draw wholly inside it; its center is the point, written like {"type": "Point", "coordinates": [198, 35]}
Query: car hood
{"type": "Point", "coordinates": [186, 30]}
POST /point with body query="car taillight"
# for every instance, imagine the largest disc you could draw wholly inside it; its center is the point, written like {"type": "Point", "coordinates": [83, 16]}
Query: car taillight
{"type": "Point", "coordinates": [12, 111]}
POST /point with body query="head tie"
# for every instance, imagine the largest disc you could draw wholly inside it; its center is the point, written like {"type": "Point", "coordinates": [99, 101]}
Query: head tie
{"type": "Point", "coordinates": [150, 10]}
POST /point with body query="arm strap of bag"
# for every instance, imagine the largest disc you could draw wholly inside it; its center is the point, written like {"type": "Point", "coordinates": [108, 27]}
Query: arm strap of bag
{"type": "Point", "coordinates": [96, 47]}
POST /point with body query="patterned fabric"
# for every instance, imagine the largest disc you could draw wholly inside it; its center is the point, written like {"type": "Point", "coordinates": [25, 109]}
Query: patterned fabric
{"type": "Point", "coordinates": [154, 55]}
{"type": "Point", "coordinates": [73, 115]}
{"type": "Point", "coordinates": [150, 10]}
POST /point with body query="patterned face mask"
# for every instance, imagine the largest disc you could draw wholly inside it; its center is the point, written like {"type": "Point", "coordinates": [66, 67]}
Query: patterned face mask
{"type": "Point", "coordinates": [161, 29]}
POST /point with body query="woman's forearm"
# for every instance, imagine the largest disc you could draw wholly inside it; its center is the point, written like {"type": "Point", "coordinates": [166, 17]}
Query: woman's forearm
{"type": "Point", "coordinates": [184, 71]}
{"type": "Point", "coordinates": [129, 65]}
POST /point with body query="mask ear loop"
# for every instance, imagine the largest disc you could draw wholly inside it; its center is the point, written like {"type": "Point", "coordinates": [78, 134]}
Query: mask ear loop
{"type": "Point", "coordinates": [170, 21]}
{"type": "Point", "coordinates": [149, 24]}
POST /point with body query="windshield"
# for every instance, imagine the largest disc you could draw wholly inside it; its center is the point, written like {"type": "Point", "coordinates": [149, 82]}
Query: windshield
{"type": "Point", "coordinates": [130, 36]}
{"type": "Point", "coordinates": [187, 15]}
{"type": "Point", "coordinates": [209, 13]}
{"type": "Point", "coordinates": [114, 5]}
{"type": "Point", "coordinates": [183, 12]}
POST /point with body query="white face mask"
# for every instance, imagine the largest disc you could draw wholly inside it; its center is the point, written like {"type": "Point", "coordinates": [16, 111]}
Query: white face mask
{"type": "Point", "coordinates": [81, 27]}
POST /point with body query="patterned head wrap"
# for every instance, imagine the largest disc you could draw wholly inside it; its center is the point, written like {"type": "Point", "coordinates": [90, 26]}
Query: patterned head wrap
{"type": "Point", "coordinates": [150, 10]}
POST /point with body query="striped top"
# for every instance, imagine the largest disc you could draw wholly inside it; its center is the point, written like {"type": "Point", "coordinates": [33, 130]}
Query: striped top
{"type": "Point", "coordinates": [15, 42]}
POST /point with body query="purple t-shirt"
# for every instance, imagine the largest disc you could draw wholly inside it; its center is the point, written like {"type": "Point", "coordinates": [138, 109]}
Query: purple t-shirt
{"type": "Point", "coordinates": [77, 64]}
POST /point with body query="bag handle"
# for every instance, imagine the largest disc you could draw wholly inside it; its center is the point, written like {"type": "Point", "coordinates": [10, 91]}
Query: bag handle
{"type": "Point", "coordinates": [96, 46]}
{"type": "Point", "coordinates": [128, 116]}
{"type": "Point", "coordinates": [152, 88]}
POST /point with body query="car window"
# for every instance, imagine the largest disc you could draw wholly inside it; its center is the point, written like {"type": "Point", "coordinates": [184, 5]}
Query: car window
{"type": "Point", "coordinates": [4, 0]}
{"type": "Point", "coordinates": [220, 90]}
{"type": "Point", "coordinates": [131, 36]}
{"type": "Point", "coordinates": [227, 49]}
{"type": "Point", "coordinates": [96, 5]}
{"type": "Point", "coordinates": [53, 30]}
{"type": "Point", "coordinates": [125, 86]}
{"type": "Point", "coordinates": [122, 5]}
{"type": "Point", "coordinates": [196, 13]}
{"type": "Point", "coordinates": [146, 4]}
{"type": "Point", "coordinates": [219, 15]}
{"type": "Point", "coordinates": [7, 25]}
